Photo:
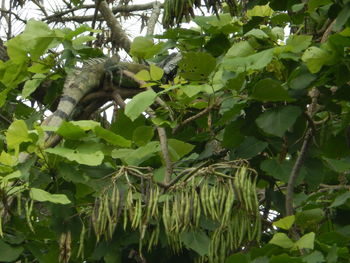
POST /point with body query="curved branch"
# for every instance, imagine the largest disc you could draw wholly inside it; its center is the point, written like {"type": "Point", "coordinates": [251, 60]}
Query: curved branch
{"type": "Point", "coordinates": [119, 36]}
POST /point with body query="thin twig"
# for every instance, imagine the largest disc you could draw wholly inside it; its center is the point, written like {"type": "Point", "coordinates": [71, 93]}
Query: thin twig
{"type": "Point", "coordinates": [194, 117]}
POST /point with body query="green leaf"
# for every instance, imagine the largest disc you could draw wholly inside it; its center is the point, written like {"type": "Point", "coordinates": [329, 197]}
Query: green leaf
{"type": "Point", "coordinates": [342, 18]}
{"type": "Point", "coordinates": [339, 166]}
{"type": "Point", "coordinates": [143, 75]}
{"type": "Point", "coordinates": [178, 149]}
{"type": "Point", "coordinates": [31, 85]}
{"type": "Point", "coordinates": [250, 147]}
{"type": "Point", "coordinates": [340, 199]}
{"type": "Point", "coordinates": [310, 217]}
{"type": "Point", "coordinates": [278, 170]}
{"type": "Point", "coordinates": [111, 137]}
{"type": "Point", "coordinates": [240, 49]}
{"type": "Point", "coordinates": [281, 240]}
{"type": "Point", "coordinates": [86, 125]}
{"type": "Point", "coordinates": [314, 257]}
{"type": "Point", "coordinates": [253, 62]}
{"type": "Point", "coordinates": [197, 241]}
{"type": "Point", "coordinates": [278, 121]}
{"type": "Point", "coordinates": [298, 43]}
{"type": "Point", "coordinates": [238, 257]}
{"type": "Point", "coordinates": [16, 134]}
{"type": "Point", "coordinates": [257, 33]}
{"type": "Point", "coordinates": [191, 66]}
{"type": "Point", "coordinates": [143, 47]}
{"type": "Point", "coordinates": [270, 90]}
{"type": "Point", "coordinates": [260, 10]}
{"type": "Point", "coordinates": [43, 196]}
{"type": "Point", "coordinates": [89, 157]}
{"type": "Point", "coordinates": [306, 241]}
{"type": "Point", "coordinates": [156, 72]}
{"type": "Point", "coordinates": [142, 135]}
{"type": "Point", "coordinates": [70, 131]}
{"type": "Point", "coordinates": [315, 58]}
{"type": "Point", "coordinates": [139, 104]}
{"type": "Point", "coordinates": [285, 222]}
{"type": "Point", "coordinates": [284, 258]}
{"type": "Point", "coordinates": [9, 253]}
{"type": "Point", "coordinates": [138, 156]}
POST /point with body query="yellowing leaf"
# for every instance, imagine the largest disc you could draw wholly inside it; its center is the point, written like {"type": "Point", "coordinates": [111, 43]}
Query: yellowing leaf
{"type": "Point", "coordinates": [306, 241]}
{"type": "Point", "coordinates": [260, 10]}
{"type": "Point", "coordinates": [285, 222]}
{"type": "Point", "coordinates": [281, 240]}
{"type": "Point", "coordinates": [156, 72]}
{"type": "Point", "coordinates": [16, 134]}
{"type": "Point", "coordinates": [143, 75]}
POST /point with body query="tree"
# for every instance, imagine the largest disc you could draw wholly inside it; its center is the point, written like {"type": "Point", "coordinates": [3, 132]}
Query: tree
{"type": "Point", "coordinates": [234, 148]}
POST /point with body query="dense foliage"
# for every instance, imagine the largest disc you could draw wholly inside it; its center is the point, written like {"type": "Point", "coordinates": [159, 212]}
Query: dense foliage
{"type": "Point", "coordinates": [239, 154]}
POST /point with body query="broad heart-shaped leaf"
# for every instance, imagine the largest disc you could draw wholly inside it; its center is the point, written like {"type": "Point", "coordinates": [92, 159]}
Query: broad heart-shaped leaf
{"type": "Point", "coordinates": [156, 72]}
{"type": "Point", "coordinates": [260, 10]}
{"type": "Point", "coordinates": [280, 171]}
{"type": "Point", "coordinates": [139, 104]}
{"type": "Point", "coordinates": [43, 196]}
{"type": "Point", "coordinates": [9, 253]}
{"type": "Point", "coordinates": [197, 241]}
{"type": "Point", "coordinates": [315, 58]}
{"type": "Point", "coordinates": [143, 47]}
{"type": "Point", "coordinates": [270, 90]}
{"type": "Point", "coordinates": [70, 131]}
{"type": "Point", "coordinates": [142, 135]}
{"type": "Point", "coordinates": [298, 43]}
{"type": "Point", "coordinates": [314, 257]}
{"type": "Point", "coordinates": [306, 241]}
{"type": "Point", "coordinates": [143, 75]}
{"type": "Point", "coordinates": [136, 157]}
{"type": "Point", "coordinates": [196, 65]}
{"type": "Point", "coordinates": [250, 147]}
{"type": "Point", "coordinates": [310, 217]}
{"type": "Point", "coordinates": [281, 240]}
{"type": "Point", "coordinates": [252, 62]}
{"type": "Point", "coordinates": [16, 134]}
{"type": "Point", "coordinates": [90, 157]}
{"type": "Point", "coordinates": [31, 85]}
{"type": "Point", "coordinates": [285, 222]}
{"type": "Point", "coordinates": [111, 137]}
{"type": "Point", "coordinates": [240, 49]}
{"type": "Point", "coordinates": [278, 121]}
{"type": "Point", "coordinates": [178, 149]}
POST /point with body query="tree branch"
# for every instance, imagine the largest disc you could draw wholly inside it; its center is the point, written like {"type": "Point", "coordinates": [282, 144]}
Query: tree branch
{"type": "Point", "coordinates": [154, 18]}
{"type": "Point", "coordinates": [119, 37]}
{"type": "Point", "coordinates": [314, 93]}
{"type": "Point", "coordinates": [57, 17]}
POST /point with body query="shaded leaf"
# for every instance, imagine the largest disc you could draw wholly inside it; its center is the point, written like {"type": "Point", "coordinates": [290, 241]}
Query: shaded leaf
{"type": "Point", "coordinates": [197, 241]}
{"type": "Point", "coordinates": [278, 121]}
